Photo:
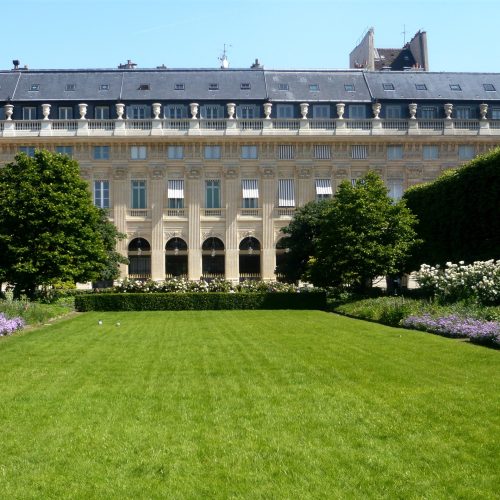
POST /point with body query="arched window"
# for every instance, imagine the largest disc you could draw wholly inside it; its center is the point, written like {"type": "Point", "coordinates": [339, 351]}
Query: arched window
{"type": "Point", "coordinates": [139, 256]}
{"type": "Point", "coordinates": [213, 258]}
{"type": "Point", "coordinates": [176, 258]}
{"type": "Point", "coordinates": [249, 258]}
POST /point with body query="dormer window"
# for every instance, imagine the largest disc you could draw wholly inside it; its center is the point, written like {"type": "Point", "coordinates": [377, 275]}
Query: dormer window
{"type": "Point", "coordinates": [314, 87]}
{"type": "Point", "coordinates": [455, 86]}
{"type": "Point", "coordinates": [489, 87]}
{"type": "Point", "coordinates": [421, 86]}
{"type": "Point", "coordinates": [245, 86]}
{"type": "Point", "coordinates": [35, 87]}
{"type": "Point", "coordinates": [388, 86]}
{"type": "Point", "coordinates": [179, 86]}
{"type": "Point", "coordinates": [283, 86]}
{"type": "Point", "coordinates": [70, 87]}
{"type": "Point", "coordinates": [349, 87]}
{"type": "Point", "coordinates": [144, 86]}
{"type": "Point", "coordinates": [213, 86]}
{"type": "Point", "coordinates": [104, 86]}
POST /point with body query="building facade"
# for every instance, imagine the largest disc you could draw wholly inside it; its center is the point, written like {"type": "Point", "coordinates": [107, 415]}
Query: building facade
{"type": "Point", "coordinates": [203, 168]}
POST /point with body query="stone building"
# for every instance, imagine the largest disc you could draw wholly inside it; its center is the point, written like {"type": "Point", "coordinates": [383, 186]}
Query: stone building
{"type": "Point", "coordinates": [202, 168]}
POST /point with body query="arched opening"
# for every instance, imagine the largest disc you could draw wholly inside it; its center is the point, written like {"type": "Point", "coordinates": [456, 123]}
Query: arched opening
{"type": "Point", "coordinates": [176, 258]}
{"type": "Point", "coordinates": [281, 252]}
{"type": "Point", "coordinates": [139, 256]}
{"type": "Point", "coordinates": [213, 258]}
{"type": "Point", "coordinates": [249, 259]}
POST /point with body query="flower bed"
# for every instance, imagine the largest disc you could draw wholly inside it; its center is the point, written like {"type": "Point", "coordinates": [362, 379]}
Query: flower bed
{"type": "Point", "coordinates": [9, 326]}
{"type": "Point", "coordinates": [479, 331]}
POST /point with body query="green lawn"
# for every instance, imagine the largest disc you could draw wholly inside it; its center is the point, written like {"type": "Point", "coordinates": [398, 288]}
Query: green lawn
{"type": "Point", "coordinates": [245, 404]}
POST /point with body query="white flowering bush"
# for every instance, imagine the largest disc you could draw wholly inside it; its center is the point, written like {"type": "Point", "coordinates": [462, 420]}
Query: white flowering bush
{"type": "Point", "coordinates": [182, 285]}
{"type": "Point", "coordinates": [478, 282]}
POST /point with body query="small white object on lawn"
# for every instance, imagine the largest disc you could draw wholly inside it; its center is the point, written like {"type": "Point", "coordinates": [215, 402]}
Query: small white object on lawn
{"type": "Point", "coordinates": [99, 322]}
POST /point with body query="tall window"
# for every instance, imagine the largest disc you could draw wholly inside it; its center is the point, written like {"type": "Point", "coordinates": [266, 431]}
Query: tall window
{"type": "Point", "coordinates": [65, 113]}
{"type": "Point", "coordinates": [212, 152]}
{"type": "Point", "coordinates": [137, 111]}
{"type": "Point", "coordinates": [175, 152]}
{"type": "Point", "coordinates": [175, 112]}
{"type": "Point", "coordinates": [284, 110]}
{"type": "Point", "coordinates": [139, 194]}
{"type": "Point", "coordinates": [495, 113]}
{"type": "Point", "coordinates": [175, 193]}
{"type": "Point", "coordinates": [430, 152]}
{"type": "Point", "coordinates": [101, 112]}
{"type": "Point", "coordinates": [357, 111]}
{"type": "Point", "coordinates": [212, 193]}
{"type": "Point", "coordinates": [65, 150]}
{"type": "Point", "coordinates": [359, 152]}
{"type": "Point", "coordinates": [394, 152]}
{"type": "Point", "coordinates": [286, 152]}
{"type": "Point", "coordinates": [101, 152]}
{"type": "Point", "coordinates": [250, 189]}
{"type": "Point", "coordinates": [28, 150]}
{"type": "Point", "coordinates": [465, 152]}
{"type": "Point", "coordinates": [211, 112]}
{"type": "Point", "coordinates": [321, 111]}
{"type": "Point", "coordinates": [286, 193]}
{"type": "Point", "coordinates": [29, 113]}
{"type": "Point", "coordinates": [322, 152]}
{"type": "Point", "coordinates": [393, 111]}
{"type": "Point", "coordinates": [101, 194]}
{"type": "Point", "coordinates": [323, 189]}
{"type": "Point", "coordinates": [246, 112]}
{"type": "Point", "coordinates": [249, 152]}
{"type": "Point", "coordinates": [395, 187]}
{"type": "Point", "coordinates": [138, 152]}
{"type": "Point", "coordinates": [428, 112]}
{"type": "Point", "coordinates": [463, 112]}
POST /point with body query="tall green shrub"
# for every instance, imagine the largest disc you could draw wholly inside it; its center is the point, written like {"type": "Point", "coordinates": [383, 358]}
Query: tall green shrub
{"type": "Point", "coordinates": [459, 213]}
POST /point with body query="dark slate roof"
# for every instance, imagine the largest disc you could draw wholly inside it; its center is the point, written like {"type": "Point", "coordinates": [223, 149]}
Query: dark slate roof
{"type": "Point", "coordinates": [279, 86]}
{"type": "Point", "coordinates": [126, 85]}
{"type": "Point", "coordinates": [331, 85]}
{"type": "Point", "coordinates": [437, 85]}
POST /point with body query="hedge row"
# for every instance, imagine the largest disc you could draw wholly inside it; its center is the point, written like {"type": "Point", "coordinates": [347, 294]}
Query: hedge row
{"type": "Point", "coordinates": [199, 301]}
{"type": "Point", "coordinates": [458, 213]}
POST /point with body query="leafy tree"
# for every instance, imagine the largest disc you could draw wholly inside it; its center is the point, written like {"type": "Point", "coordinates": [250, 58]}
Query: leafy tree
{"type": "Point", "coordinates": [300, 240]}
{"type": "Point", "coordinates": [49, 229]}
{"type": "Point", "coordinates": [351, 239]}
{"type": "Point", "coordinates": [363, 234]}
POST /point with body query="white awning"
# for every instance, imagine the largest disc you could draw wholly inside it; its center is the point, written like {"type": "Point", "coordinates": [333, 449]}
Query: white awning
{"type": "Point", "coordinates": [250, 188]}
{"type": "Point", "coordinates": [286, 195]}
{"type": "Point", "coordinates": [176, 189]}
{"type": "Point", "coordinates": [324, 186]}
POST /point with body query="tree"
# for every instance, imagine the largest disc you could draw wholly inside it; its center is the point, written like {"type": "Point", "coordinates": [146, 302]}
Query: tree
{"type": "Point", "coordinates": [300, 242]}
{"type": "Point", "coordinates": [49, 229]}
{"type": "Point", "coordinates": [358, 235]}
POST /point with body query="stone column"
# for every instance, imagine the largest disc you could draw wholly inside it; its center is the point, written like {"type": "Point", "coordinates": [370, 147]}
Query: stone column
{"type": "Point", "coordinates": [268, 199]}
{"type": "Point", "coordinates": [232, 196]}
{"type": "Point", "coordinates": [119, 187]}
{"type": "Point", "coordinates": [156, 195]}
{"type": "Point", "coordinates": [304, 185]}
{"type": "Point", "coordinates": [194, 195]}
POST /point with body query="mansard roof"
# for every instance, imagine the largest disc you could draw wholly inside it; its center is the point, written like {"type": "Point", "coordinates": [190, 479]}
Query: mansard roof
{"type": "Point", "coordinates": [245, 85]}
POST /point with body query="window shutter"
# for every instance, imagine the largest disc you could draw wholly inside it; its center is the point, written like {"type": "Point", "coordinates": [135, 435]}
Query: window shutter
{"type": "Point", "coordinates": [286, 195]}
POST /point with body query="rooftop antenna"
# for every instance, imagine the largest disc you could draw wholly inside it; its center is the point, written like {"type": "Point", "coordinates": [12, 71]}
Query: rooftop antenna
{"type": "Point", "coordinates": [224, 63]}
{"type": "Point", "coordinates": [404, 34]}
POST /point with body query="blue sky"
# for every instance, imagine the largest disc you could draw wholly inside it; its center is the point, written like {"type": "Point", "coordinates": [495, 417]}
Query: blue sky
{"type": "Point", "coordinates": [462, 34]}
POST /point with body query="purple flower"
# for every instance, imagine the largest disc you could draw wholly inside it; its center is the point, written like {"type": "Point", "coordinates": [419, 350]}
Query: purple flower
{"type": "Point", "coordinates": [9, 326]}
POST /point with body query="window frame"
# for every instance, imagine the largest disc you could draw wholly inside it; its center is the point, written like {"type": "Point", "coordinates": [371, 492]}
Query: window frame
{"type": "Point", "coordinates": [139, 194]}
{"type": "Point", "coordinates": [101, 193]}
{"type": "Point", "coordinates": [212, 152]}
{"type": "Point", "coordinates": [212, 193]}
{"type": "Point", "coordinates": [101, 152]}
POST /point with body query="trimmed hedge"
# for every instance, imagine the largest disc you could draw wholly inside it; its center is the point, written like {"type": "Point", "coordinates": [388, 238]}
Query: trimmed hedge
{"type": "Point", "coordinates": [459, 213]}
{"type": "Point", "coordinates": [199, 301]}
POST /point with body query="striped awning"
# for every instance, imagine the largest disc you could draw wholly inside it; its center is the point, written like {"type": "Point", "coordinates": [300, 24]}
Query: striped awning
{"type": "Point", "coordinates": [324, 186]}
{"type": "Point", "coordinates": [250, 188]}
{"type": "Point", "coordinates": [286, 195]}
{"type": "Point", "coordinates": [176, 189]}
